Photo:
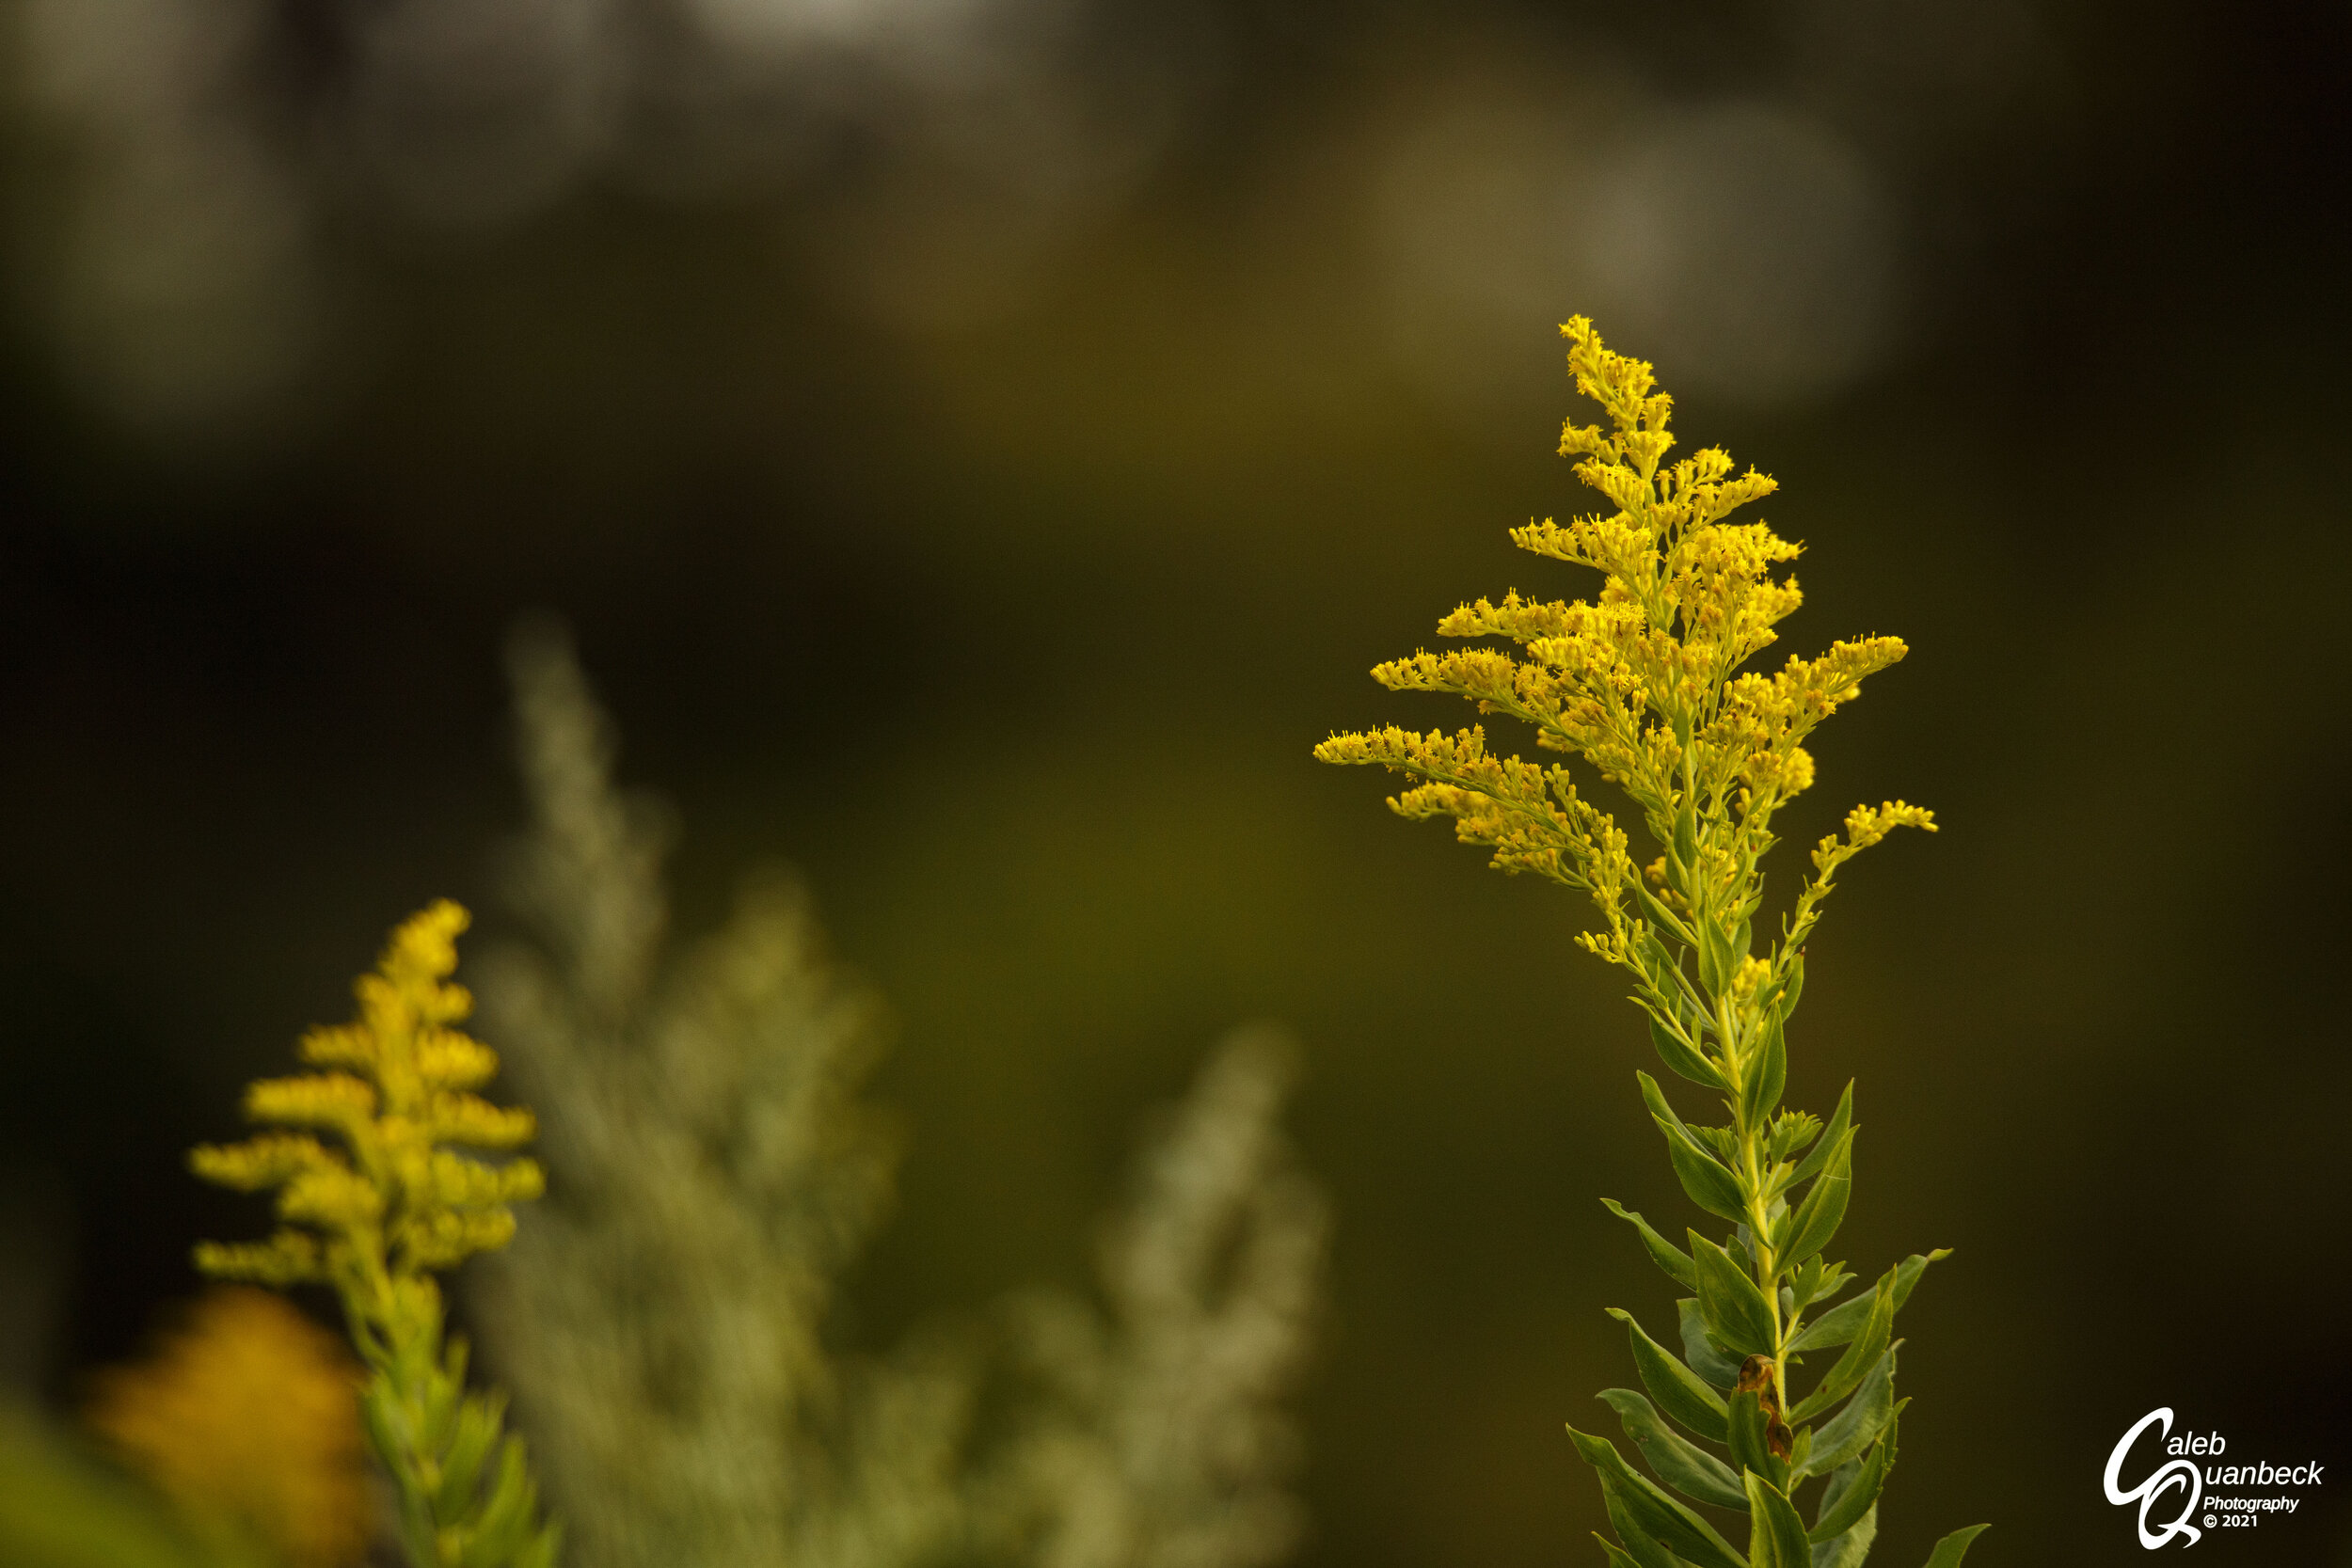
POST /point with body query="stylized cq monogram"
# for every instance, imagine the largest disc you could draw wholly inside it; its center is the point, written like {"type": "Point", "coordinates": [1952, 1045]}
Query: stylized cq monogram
{"type": "Point", "coordinates": [2180, 1472]}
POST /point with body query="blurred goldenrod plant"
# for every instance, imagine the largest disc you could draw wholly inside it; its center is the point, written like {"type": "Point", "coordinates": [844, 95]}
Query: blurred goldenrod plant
{"type": "Point", "coordinates": [247, 1416]}
{"type": "Point", "coordinates": [662, 1318]}
{"type": "Point", "coordinates": [1162, 1442]}
{"type": "Point", "coordinates": [1644, 682]}
{"type": "Point", "coordinates": [377, 1217]}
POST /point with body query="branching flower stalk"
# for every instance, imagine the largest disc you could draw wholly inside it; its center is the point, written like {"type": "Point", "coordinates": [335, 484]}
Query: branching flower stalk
{"type": "Point", "coordinates": [1646, 683]}
{"type": "Point", "coordinates": [379, 1216]}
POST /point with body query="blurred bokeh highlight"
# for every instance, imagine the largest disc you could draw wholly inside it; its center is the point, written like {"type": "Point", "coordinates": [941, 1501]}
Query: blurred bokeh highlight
{"type": "Point", "coordinates": [980, 445]}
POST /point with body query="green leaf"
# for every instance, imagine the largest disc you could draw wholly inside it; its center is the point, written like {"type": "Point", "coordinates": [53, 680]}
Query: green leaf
{"type": "Point", "coordinates": [1765, 1075]}
{"type": "Point", "coordinates": [1617, 1557]}
{"type": "Point", "coordinates": [1659, 915]}
{"type": "Point", "coordinates": [477, 1433]}
{"type": "Point", "coordinates": [1838, 1325]}
{"type": "Point", "coordinates": [1843, 1119]}
{"type": "Point", "coordinates": [1680, 1392]}
{"type": "Point", "coordinates": [1666, 972]}
{"type": "Point", "coordinates": [1643, 1549]}
{"type": "Point", "coordinates": [1794, 989]}
{"type": "Point", "coordinates": [1705, 1356]}
{"type": "Point", "coordinates": [1686, 844]}
{"type": "Point", "coordinates": [1856, 1427]}
{"type": "Point", "coordinates": [1749, 1439]}
{"type": "Point", "coordinates": [1650, 1513]}
{"type": "Point", "coordinates": [1676, 1052]}
{"type": "Point", "coordinates": [1859, 1359]}
{"type": "Point", "coordinates": [1703, 1179]}
{"type": "Point", "coordinates": [1848, 1550]}
{"type": "Point", "coordinates": [1735, 1309]}
{"type": "Point", "coordinates": [1823, 1210]}
{"type": "Point", "coordinates": [1954, 1547]}
{"type": "Point", "coordinates": [1843, 1506]}
{"type": "Point", "coordinates": [1716, 962]}
{"type": "Point", "coordinates": [1667, 1255]}
{"type": "Point", "coordinates": [1777, 1534]}
{"type": "Point", "coordinates": [1681, 1464]}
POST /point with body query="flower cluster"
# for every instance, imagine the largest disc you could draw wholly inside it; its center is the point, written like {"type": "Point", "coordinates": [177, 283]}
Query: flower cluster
{"type": "Point", "coordinates": [397, 1198]}
{"type": "Point", "coordinates": [1646, 684]}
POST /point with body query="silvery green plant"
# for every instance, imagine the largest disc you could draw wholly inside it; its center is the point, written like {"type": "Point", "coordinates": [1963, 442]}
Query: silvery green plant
{"type": "Point", "coordinates": [714, 1166]}
{"type": "Point", "coordinates": [1162, 1440]}
{"type": "Point", "coordinates": [1646, 684]}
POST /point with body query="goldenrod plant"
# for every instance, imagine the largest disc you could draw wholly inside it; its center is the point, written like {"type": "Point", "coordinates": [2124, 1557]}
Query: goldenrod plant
{"type": "Point", "coordinates": [716, 1168]}
{"type": "Point", "coordinates": [1645, 683]}
{"type": "Point", "coordinates": [246, 1417]}
{"type": "Point", "coordinates": [1164, 1442]}
{"type": "Point", "coordinates": [377, 1217]}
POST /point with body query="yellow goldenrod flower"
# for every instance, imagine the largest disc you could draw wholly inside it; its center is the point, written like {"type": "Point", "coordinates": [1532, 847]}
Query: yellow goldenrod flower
{"type": "Point", "coordinates": [1645, 682]}
{"type": "Point", "coordinates": [247, 1417]}
{"type": "Point", "coordinates": [378, 1212]}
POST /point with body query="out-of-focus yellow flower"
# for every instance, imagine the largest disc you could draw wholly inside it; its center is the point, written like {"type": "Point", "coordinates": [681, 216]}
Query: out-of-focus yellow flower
{"type": "Point", "coordinates": [376, 1216]}
{"type": "Point", "coordinates": [248, 1416]}
{"type": "Point", "coordinates": [394, 1202]}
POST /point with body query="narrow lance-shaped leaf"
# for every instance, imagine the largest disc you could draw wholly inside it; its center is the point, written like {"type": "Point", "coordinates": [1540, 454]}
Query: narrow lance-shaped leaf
{"type": "Point", "coordinates": [1663, 917]}
{"type": "Point", "coordinates": [1767, 1074]}
{"type": "Point", "coordinates": [1678, 1053]}
{"type": "Point", "coordinates": [1667, 1255]}
{"type": "Point", "coordinates": [1954, 1547]}
{"type": "Point", "coordinates": [1641, 1547]}
{"type": "Point", "coordinates": [1860, 1357]}
{"type": "Point", "coordinates": [1856, 1427]}
{"type": "Point", "coordinates": [1735, 1309]}
{"type": "Point", "coordinates": [1666, 975]}
{"type": "Point", "coordinates": [1850, 1549]}
{"type": "Point", "coordinates": [1680, 1392]}
{"type": "Point", "coordinates": [1681, 1464]}
{"type": "Point", "coordinates": [1703, 1178]}
{"type": "Point", "coordinates": [1715, 957]}
{"type": "Point", "coordinates": [1655, 1514]}
{"type": "Point", "coordinates": [1705, 1356]}
{"type": "Point", "coordinates": [1816, 1220]}
{"type": "Point", "coordinates": [1748, 1439]}
{"type": "Point", "coordinates": [1616, 1554]}
{"type": "Point", "coordinates": [1794, 989]}
{"type": "Point", "coordinates": [1838, 1325]}
{"type": "Point", "coordinates": [1843, 1506]}
{"type": "Point", "coordinates": [1776, 1538]}
{"type": "Point", "coordinates": [1711, 1186]}
{"type": "Point", "coordinates": [1839, 1120]}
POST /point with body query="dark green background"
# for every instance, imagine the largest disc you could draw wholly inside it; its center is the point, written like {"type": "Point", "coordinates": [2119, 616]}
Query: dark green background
{"type": "Point", "coordinates": [1015, 637]}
